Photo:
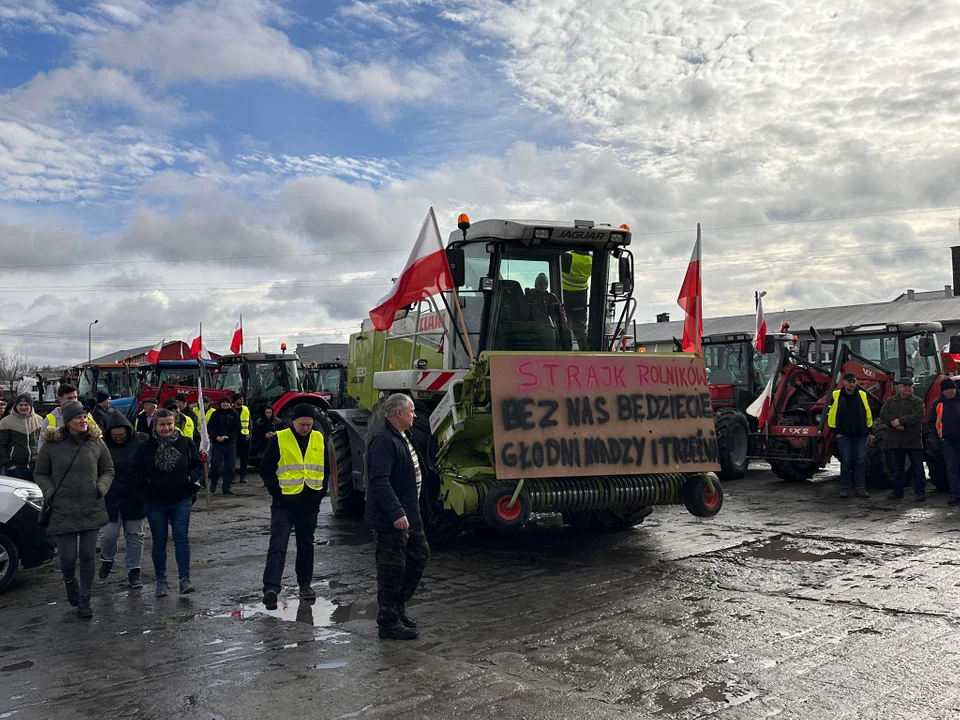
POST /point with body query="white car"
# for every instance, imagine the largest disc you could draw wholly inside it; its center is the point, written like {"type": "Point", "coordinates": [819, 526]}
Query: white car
{"type": "Point", "coordinates": [22, 541]}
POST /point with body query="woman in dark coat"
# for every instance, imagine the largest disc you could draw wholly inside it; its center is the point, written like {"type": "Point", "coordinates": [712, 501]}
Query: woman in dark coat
{"type": "Point", "coordinates": [169, 471]}
{"type": "Point", "coordinates": [264, 429]}
{"type": "Point", "coordinates": [124, 501]}
{"type": "Point", "coordinates": [74, 470]}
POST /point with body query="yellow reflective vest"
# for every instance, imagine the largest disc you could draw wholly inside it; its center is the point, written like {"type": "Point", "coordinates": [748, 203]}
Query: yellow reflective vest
{"type": "Point", "coordinates": [188, 426]}
{"type": "Point", "coordinates": [244, 421]}
{"type": "Point", "coordinates": [580, 268]}
{"type": "Point", "coordinates": [54, 421]}
{"type": "Point", "coordinates": [294, 471]}
{"type": "Point", "coordinates": [832, 413]}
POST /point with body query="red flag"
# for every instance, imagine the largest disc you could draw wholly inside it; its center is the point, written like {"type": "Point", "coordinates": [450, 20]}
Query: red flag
{"type": "Point", "coordinates": [760, 338]}
{"type": "Point", "coordinates": [690, 301]}
{"type": "Point", "coordinates": [153, 354]}
{"type": "Point", "coordinates": [236, 344]}
{"type": "Point", "coordinates": [197, 349]}
{"type": "Point", "coordinates": [426, 273]}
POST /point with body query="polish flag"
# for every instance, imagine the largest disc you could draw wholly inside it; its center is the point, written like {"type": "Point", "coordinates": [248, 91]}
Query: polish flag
{"type": "Point", "coordinates": [691, 302]}
{"type": "Point", "coordinates": [236, 344]}
{"type": "Point", "coordinates": [760, 339]}
{"type": "Point", "coordinates": [426, 273]}
{"type": "Point", "coordinates": [760, 408]}
{"type": "Point", "coordinates": [204, 435]}
{"type": "Point", "coordinates": [197, 349]}
{"type": "Point", "coordinates": [153, 354]}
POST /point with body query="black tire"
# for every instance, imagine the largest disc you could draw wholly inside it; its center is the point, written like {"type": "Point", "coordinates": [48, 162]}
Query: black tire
{"type": "Point", "coordinates": [703, 495]}
{"type": "Point", "coordinates": [935, 464]}
{"type": "Point", "coordinates": [345, 499]}
{"type": "Point", "coordinates": [733, 438]}
{"type": "Point", "coordinates": [794, 471]}
{"type": "Point", "coordinates": [607, 520]}
{"type": "Point", "coordinates": [878, 470]}
{"type": "Point", "coordinates": [439, 523]}
{"type": "Point", "coordinates": [501, 517]}
{"type": "Point", "coordinates": [9, 561]}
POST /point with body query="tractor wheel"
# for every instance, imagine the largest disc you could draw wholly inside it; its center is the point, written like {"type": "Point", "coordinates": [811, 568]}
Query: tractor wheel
{"type": "Point", "coordinates": [607, 520]}
{"type": "Point", "coordinates": [703, 495]}
{"type": "Point", "coordinates": [878, 470]}
{"type": "Point", "coordinates": [733, 435]}
{"type": "Point", "coordinates": [345, 499]}
{"type": "Point", "coordinates": [498, 512]}
{"type": "Point", "coordinates": [935, 463]}
{"type": "Point", "coordinates": [439, 523]}
{"type": "Point", "coordinates": [794, 471]}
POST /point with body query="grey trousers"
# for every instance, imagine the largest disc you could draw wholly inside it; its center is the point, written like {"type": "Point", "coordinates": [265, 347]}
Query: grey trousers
{"type": "Point", "coordinates": [68, 544]}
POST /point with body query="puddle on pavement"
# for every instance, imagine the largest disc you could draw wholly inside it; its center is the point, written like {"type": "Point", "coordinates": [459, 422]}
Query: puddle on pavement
{"type": "Point", "coordinates": [717, 692]}
{"type": "Point", "coordinates": [789, 550]}
{"type": "Point", "coordinates": [330, 665]}
{"type": "Point", "coordinates": [320, 613]}
{"type": "Point", "coordinates": [17, 666]}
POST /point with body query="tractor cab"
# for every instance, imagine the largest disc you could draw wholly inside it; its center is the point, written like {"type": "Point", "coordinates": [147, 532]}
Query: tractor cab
{"type": "Point", "coordinates": [737, 371]}
{"type": "Point", "coordinates": [118, 380]}
{"type": "Point", "coordinates": [179, 373]}
{"type": "Point", "coordinates": [328, 379]}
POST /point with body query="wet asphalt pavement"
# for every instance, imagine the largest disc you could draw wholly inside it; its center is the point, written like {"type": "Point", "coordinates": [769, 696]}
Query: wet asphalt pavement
{"type": "Point", "coordinates": [792, 603]}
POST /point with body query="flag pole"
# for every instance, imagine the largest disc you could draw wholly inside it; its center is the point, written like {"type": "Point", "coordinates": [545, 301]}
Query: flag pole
{"type": "Point", "coordinates": [453, 289]}
{"type": "Point", "coordinates": [241, 336]}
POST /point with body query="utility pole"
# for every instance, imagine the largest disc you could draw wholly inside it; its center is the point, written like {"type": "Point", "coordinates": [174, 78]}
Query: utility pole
{"type": "Point", "coordinates": [90, 341]}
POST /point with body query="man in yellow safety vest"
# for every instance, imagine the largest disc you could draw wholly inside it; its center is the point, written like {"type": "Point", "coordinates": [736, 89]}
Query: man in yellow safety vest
{"type": "Point", "coordinates": [243, 442]}
{"type": "Point", "coordinates": [292, 471]}
{"type": "Point", "coordinates": [576, 268]}
{"type": "Point", "coordinates": [54, 419]}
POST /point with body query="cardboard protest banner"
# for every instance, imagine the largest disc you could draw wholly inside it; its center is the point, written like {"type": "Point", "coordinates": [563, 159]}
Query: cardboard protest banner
{"type": "Point", "coordinates": [603, 414]}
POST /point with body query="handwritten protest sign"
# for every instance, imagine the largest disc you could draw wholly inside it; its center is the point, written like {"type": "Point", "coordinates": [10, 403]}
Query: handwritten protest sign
{"type": "Point", "coordinates": [610, 414]}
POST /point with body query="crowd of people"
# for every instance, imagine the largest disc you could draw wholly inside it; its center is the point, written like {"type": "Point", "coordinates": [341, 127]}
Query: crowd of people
{"type": "Point", "coordinates": [102, 475]}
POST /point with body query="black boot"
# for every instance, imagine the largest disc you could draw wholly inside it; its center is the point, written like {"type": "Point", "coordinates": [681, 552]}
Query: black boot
{"type": "Point", "coordinates": [105, 567]}
{"type": "Point", "coordinates": [84, 610]}
{"type": "Point", "coordinates": [270, 599]}
{"type": "Point", "coordinates": [397, 631]}
{"type": "Point", "coordinates": [406, 620]}
{"type": "Point", "coordinates": [73, 592]}
{"type": "Point", "coordinates": [134, 577]}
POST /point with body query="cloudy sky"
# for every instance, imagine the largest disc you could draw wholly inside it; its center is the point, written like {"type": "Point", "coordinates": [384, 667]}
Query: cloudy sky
{"type": "Point", "coordinates": [163, 164]}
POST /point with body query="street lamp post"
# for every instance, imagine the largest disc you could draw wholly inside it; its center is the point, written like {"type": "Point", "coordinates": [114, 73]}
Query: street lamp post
{"type": "Point", "coordinates": [90, 340]}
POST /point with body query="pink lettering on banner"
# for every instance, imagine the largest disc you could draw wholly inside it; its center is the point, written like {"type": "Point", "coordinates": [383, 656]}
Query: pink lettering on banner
{"type": "Point", "coordinates": [530, 380]}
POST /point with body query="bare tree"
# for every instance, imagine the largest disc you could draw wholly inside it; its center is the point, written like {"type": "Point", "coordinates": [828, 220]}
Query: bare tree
{"type": "Point", "coordinates": [13, 367]}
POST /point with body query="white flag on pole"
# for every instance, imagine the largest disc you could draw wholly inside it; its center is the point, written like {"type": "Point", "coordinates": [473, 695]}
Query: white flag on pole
{"type": "Point", "coordinates": [201, 413]}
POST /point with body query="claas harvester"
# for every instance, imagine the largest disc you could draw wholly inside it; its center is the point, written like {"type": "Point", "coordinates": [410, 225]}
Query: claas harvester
{"type": "Point", "coordinates": [524, 406]}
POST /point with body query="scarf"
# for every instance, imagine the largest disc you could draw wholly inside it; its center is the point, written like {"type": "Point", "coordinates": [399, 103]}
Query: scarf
{"type": "Point", "coordinates": [167, 455]}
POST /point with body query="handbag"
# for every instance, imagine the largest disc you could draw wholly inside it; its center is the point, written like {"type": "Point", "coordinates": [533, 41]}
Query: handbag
{"type": "Point", "coordinates": [43, 519]}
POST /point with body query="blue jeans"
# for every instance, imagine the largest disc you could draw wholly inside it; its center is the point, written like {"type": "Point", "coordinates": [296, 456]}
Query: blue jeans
{"type": "Point", "coordinates": [224, 454]}
{"type": "Point", "coordinates": [897, 459]}
{"type": "Point", "coordinates": [951, 459]}
{"type": "Point", "coordinates": [176, 516]}
{"type": "Point", "coordinates": [21, 472]}
{"type": "Point", "coordinates": [853, 461]}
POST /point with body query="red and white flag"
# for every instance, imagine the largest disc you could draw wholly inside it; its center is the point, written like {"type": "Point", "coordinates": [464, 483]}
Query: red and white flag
{"type": "Point", "coordinates": [760, 338]}
{"type": "Point", "coordinates": [153, 354]}
{"type": "Point", "coordinates": [204, 435]}
{"type": "Point", "coordinates": [236, 344]}
{"type": "Point", "coordinates": [426, 273]}
{"type": "Point", "coordinates": [760, 408]}
{"type": "Point", "coordinates": [197, 349]}
{"type": "Point", "coordinates": [690, 301]}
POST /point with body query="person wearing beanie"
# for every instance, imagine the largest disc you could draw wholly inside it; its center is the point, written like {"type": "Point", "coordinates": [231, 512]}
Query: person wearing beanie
{"type": "Point", "coordinates": [292, 471]}
{"type": "Point", "coordinates": [902, 417]}
{"type": "Point", "coordinates": [74, 470]}
{"type": "Point", "coordinates": [101, 409]}
{"type": "Point", "coordinates": [223, 427]}
{"type": "Point", "coordinates": [944, 418]}
{"type": "Point", "coordinates": [852, 420]}
{"type": "Point", "coordinates": [20, 439]}
{"type": "Point", "coordinates": [65, 393]}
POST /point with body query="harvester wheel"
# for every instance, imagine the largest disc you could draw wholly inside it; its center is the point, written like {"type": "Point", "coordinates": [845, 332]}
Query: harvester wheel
{"type": "Point", "coordinates": [345, 499]}
{"type": "Point", "coordinates": [498, 512]}
{"type": "Point", "coordinates": [439, 524]}
{"type": "Point", "coordinates": [794, 471]}
{"type": "Point", "coordinates": [703, 495]}
{"type": "Point", "coordinates": [733, 434]}
{"type": "Point", "coordinates": [878, 471]}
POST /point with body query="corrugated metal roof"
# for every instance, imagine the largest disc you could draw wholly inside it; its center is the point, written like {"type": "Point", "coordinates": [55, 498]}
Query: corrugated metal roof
{"type": "Point", "coordinates": [923, 296]}
{"type": "Point", "coordinates": [944, 310]}
{"type": "Point", "coordinates": [324, 352]}
{"type": "Point", "coordinates": [119, 355]}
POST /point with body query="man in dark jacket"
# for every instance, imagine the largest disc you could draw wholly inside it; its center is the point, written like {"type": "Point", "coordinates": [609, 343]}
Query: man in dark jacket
{"type": "Point", "coordinates": [101, 411]}
{"type": "Point", "coordinates": [223, 428]}
{"type": "Point", "coordinates": [902, 415]}
{"type": "Point", "coordinates": [145, 417]}
{"type": "Point", "coordinates": [393, 511]}
{"type": "Point", "coordinates": [124, 501]}
{"type": "Point", "coordinates": [850, 416]}
{"type": "Point", "coordinates": [292, 471]}
{"type": "Point", "coordinates": [20, 439]}
{"type": "Point", "coordinates": [944, 418]}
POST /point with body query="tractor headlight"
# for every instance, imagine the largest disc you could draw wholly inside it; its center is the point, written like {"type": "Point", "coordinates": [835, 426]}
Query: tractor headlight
{"type": "Point", "coordinates": [31, 496]}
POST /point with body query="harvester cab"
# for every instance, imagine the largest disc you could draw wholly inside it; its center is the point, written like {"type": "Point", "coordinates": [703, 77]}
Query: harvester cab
{"type": "Point", "coordinates": [522, 404]}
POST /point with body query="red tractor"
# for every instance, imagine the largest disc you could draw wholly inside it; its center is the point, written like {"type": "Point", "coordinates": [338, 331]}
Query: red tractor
{"type": "Point", "coordinates": [796, 440]}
